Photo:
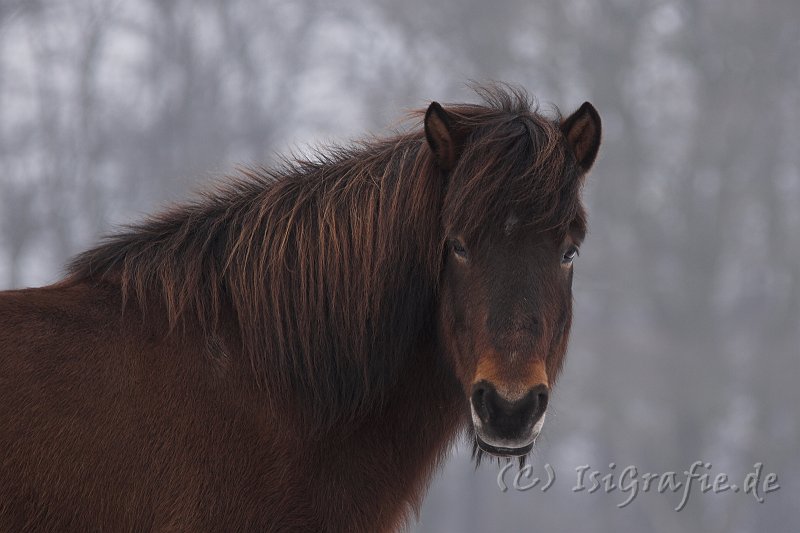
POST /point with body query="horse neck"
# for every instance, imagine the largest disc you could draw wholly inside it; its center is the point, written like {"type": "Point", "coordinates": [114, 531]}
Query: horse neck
{"type": "Point", "coordinates": [382, 464]}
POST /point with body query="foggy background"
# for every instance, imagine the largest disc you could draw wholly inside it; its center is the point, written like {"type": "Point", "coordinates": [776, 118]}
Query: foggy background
{"type": "Point", "coordinates": [685, 345]}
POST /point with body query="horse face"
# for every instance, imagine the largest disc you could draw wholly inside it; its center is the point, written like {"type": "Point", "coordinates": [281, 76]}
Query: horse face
{"type": "Point", "coordinates": [505, 306]}
{"type": "Point", "coordinates": [505, 315]}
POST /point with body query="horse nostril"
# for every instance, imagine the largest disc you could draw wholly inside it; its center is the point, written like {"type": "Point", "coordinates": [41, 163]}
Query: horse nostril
{"type": "Point", "coordinates": [482, 394]}
{"type": "Point", "coordinates": [539, 405]}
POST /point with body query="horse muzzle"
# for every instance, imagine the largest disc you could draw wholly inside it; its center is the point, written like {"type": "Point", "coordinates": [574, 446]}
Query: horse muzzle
{"type": "Point", "coordinates": [507, 426]}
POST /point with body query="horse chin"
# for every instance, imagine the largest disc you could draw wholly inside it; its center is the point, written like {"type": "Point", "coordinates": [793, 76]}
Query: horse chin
{"type": "Point", "coordinates": [499, 451]}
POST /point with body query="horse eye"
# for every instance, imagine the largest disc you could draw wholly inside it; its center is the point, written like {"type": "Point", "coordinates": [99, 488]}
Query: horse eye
{"type": "Point", "coordinates": [458, 248]}
{"type": "Point", "coordinates": [569, 255]}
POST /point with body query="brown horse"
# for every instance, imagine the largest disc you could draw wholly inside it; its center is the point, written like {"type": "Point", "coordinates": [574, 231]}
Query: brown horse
{"type": "Point", "coordinates": [298, 349]}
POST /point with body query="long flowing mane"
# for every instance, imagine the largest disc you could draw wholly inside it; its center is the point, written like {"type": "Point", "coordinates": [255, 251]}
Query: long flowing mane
{"type": "Point", "coordinates": [328, 266]}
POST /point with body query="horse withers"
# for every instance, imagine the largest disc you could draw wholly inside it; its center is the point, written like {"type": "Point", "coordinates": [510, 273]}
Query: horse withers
{"type": "Point", "coordinates": [298, 348]}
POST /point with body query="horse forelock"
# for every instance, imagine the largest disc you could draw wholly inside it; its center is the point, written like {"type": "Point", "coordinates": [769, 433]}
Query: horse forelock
{"type": "Point", "coordinates": [515, 161]}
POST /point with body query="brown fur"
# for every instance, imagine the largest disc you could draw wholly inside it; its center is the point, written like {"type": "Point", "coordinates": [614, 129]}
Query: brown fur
{"type": "Point", "coordinates": [491, 369]}
{"type": "Point", "coordinates": [266, 358]}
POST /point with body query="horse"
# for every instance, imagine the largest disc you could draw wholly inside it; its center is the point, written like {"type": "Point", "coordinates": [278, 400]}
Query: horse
{"type": "Point", "coordinates": [298, 347]}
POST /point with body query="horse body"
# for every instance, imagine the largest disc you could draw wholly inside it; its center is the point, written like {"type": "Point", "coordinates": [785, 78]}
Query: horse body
{"type": "Point", "coordinates": [297, 350]}
{"type": "Point", "coordinates": [109, 425]}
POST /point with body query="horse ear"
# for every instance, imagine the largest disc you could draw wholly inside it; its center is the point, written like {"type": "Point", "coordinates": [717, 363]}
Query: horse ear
{"type": "Point", "coordinates": [582, 130]}
{"type": "Point", "coordinates": [441, 137]}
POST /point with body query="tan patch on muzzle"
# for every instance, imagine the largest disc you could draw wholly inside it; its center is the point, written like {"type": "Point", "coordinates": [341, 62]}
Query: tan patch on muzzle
{"type": "Point", "coordinates": [510, 381]}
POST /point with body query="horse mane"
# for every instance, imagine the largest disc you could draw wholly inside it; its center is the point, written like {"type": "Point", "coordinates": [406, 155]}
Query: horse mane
{"type": "Point", "coordinates": [328, 266]}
